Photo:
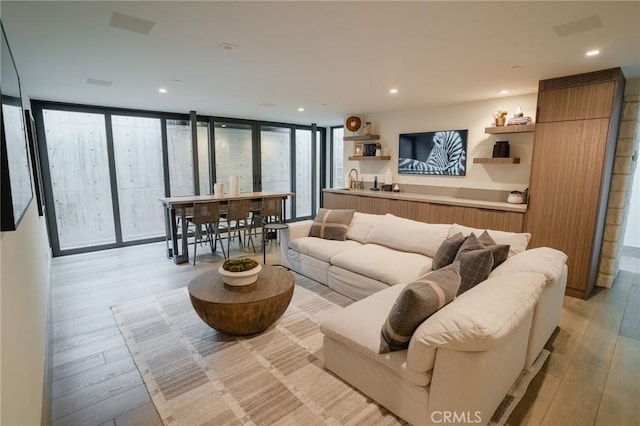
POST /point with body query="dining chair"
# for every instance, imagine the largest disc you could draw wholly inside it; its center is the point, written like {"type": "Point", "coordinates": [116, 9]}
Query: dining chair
{"type": "Point", "coordinates": [272, 221]}
{"type": "Point", "coordinates": [237, 219]}
{"type": "Point", "coordinates": [207, 215]}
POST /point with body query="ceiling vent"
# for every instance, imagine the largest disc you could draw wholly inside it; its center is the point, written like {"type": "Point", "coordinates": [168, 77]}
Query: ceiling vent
{"type": "Point", "coordinates": [98, 82]}
{"type": "Point", "coordinates": [131, 23]}
{"type": "Point", "coordinates": [579, 26]}
{"type": "Point", "coordinates": [227, 46]}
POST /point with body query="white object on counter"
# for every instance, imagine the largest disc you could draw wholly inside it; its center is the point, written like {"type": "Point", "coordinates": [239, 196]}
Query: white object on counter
{"type": "Point", "coordinates": [388, 177]}
{"type": "Point", "coordinates": [234, 185]}
{"type": "Point", "coordinates": [218, 189]}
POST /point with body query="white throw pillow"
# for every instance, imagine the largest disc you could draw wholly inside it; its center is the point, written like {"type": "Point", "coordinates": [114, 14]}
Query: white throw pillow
{"type": "Point", "coordinates": [361, 225]}
{"type": "Point", "coordinates": [517, 242]}
{"type": "Point", "coordinates": [409, 235]}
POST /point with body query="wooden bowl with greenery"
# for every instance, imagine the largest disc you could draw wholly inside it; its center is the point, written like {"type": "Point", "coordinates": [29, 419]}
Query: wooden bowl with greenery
{"type": "Point", "coordinates": [239, 272]}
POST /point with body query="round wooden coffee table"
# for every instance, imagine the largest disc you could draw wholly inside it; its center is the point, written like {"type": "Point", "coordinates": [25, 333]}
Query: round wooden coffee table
{"type": "Point", "coordinates": [242, 310]}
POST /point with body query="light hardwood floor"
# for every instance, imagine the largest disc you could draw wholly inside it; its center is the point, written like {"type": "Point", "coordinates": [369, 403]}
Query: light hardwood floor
{"type": "Point", "coordinates": [591, 378]}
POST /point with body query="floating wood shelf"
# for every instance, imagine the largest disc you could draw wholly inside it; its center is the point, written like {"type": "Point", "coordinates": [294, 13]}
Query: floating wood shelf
{"type": "Point", "coordinates": [509, 160]}
{"type": "Point", "coordinates": [370, 158]}
{"type": "Point", "coordinates": [526, 128]}
{"type": "Point", "coordinates": [361, 138]}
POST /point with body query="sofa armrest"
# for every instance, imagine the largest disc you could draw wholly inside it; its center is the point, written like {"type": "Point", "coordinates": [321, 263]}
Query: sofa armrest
{"type": "Point", "coordinates": [295, 230]}
{"type": "Point", "coordinates": [480, 319]}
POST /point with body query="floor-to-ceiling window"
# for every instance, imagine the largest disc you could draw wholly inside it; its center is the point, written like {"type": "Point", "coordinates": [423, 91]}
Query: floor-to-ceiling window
{"type": "Point", "coordinates": [234, 154]}
{"type": "Point", "coordinates": [204, 158]}
{"type": "Point", "coordinates": [79, 176]}
{"type": "Point", "coordinates": [180, 157]}
{"type": "Point", "coordinates": [137, 145]}
{"type": "Point", "coordinates": [304, 173]}
{"type": "Point", "coordinates": [106, 168]}
{"type": "Point", "coordinates": [337, 157]}
{"type": "Point", "coordinates": [275, 158]}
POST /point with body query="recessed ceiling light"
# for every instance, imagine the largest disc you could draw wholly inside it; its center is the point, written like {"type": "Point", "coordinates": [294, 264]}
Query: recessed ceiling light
{"type": "Point", "coordinates": [300, 109]}
{"type": "Point", "coordinates": [162, 90]}
{"type": "Point", "coordinates": [393, 91]}
{"type": "Point", "coordinates": [224, 125]}
{"type": "Point", "coordinates": [504, 92]}
{"type": "Point", "coordinates": [592, 52]}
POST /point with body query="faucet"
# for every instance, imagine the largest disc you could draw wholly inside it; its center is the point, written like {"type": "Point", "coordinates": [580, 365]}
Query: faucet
{"type": "Point", "coordinates": [354, 183]}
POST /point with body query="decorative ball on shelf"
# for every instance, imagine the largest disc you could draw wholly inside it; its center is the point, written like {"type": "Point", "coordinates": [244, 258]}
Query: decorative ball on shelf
{"type": "Point", "coordinates": [353, 123]}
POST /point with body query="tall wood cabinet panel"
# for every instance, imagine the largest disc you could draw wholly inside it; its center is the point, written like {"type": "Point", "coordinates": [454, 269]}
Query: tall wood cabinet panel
{"type": "Point", "coordinates": [574, 144]}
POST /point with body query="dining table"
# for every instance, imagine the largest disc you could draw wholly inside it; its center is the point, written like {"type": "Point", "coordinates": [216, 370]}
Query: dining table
{"type": "Point", "coordinates": [176, 207]}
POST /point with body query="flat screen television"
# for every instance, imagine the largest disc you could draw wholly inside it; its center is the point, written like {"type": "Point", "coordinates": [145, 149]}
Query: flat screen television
{"type": "Point", "coordinates": [433, 153]}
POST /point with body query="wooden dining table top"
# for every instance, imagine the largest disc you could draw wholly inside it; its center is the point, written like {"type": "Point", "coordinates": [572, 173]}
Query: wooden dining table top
{"type": "Point", "coordinates": [191, 199]}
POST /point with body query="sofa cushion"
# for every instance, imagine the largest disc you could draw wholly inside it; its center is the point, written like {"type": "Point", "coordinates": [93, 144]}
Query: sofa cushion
{"type": "Point", "coordinates": [447, 251]}
{"type": "Point", "coordinates": [361, 225]}
{"type": "Point", "coordinates": [517, 242]}
{"type": "Point", "coordinates": [357, 326]}
{"type": "Point", "coordinates": [475, 267]}
{"type": "Point", "coordinates": [479, 319]}
{"type": "Point", "coordinates": [544, 260]}
{"type": "Point", "coordinates": [320, 248]}
{"type": "Point", "coordinates": [331, 224]}
{"type": "Point", "coordinates": [417, 302]}
{"type": "Point", "coordinates": [383, 264]}
{"type": "Point", "coordinates": [409, 235]}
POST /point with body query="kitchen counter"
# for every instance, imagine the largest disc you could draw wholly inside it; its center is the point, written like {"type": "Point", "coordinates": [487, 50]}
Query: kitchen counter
{"type": "Point", "coordinates": [435, 199]}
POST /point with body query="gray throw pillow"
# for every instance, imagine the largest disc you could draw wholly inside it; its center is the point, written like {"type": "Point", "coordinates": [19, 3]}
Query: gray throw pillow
{"type": "Point", "coordinates": [331, 224]}
{"type": "Point", "coordinates": [417, 302]}
{"type": "Point", "coordinates": [475, 267]}
{"type": "Point", "coordinates": [500, 251]}
{"type": "Point", "coordinates": [447, 251]}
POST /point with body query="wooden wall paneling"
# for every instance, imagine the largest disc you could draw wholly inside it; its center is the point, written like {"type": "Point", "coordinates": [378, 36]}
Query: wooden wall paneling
{"type": "Point", "coordinates": [565, 191]}
{"type": "Point", "coordinates": [575, 103]}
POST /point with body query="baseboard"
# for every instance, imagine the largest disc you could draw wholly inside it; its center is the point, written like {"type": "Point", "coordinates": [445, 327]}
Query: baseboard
{"type": "Point", "coordinates": [46, 418]}
{"type": "Point", "coordinates": [630, 251]}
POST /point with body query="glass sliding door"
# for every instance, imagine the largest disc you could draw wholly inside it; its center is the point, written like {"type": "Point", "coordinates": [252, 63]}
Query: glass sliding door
{"type": "Point", "coordinates": [304, 173]}
{"type": "Point", "coordinates": [137, 144]}
{"type": "Point", "coordinates": [337, 157]}
{"type": "Point", "coordinates": [234, 154]}
{"type": "Point", "coordinates": [79, 176]}
{"type": "Point", "coordinates": [275, 160]}
{"type": "Point", "coordinates": [180, 149]}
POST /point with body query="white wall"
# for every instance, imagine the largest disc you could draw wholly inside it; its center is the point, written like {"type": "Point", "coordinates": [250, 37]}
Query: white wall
{"type": "Point", "coordinates": [24, 302]}
{"type": "Point", "coordinates": [474, 116]}
{"type": "Point", "coordinates": [632, 233]}
{"type": "Point", "coordinates": [25, 260]}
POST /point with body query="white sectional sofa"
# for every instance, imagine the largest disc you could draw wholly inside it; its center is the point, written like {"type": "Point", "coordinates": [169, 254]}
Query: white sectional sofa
{"type": "Point", "coordinates": [461, 361]}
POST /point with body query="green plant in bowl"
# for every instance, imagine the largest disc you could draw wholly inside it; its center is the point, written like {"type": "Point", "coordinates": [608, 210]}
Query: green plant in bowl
{"type": "Point", "coordinates": [239, 265]}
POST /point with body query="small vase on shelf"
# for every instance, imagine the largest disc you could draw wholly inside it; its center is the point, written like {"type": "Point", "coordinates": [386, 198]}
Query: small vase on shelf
{"type": "Point", "coordinates": [500, 121]}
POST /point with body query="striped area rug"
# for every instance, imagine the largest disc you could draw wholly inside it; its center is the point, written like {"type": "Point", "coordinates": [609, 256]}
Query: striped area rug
{"type": "Point", "coordinates": [197, 376]}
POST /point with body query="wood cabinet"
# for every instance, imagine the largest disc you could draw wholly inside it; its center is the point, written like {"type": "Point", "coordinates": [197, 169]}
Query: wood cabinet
{"type": "Point", "coordinates": [428, 212]}
{"type": "Point", "coordinates": [574, 144]}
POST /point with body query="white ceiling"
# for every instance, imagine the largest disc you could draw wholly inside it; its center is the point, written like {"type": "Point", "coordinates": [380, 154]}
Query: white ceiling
{"type": "Point", "coordinates": [332, 58]}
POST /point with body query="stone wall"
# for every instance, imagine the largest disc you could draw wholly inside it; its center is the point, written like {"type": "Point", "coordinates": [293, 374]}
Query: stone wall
{"type": "Point", "coordinates": [624, 168]}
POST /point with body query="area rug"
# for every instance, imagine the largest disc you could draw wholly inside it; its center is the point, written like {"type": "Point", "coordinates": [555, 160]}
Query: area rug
{"type": "Point", "coordinates": [196, 375]}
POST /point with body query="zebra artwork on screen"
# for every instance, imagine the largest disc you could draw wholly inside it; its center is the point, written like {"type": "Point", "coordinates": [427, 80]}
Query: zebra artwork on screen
{"type": "Point", "coordinates": [433, 153]}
